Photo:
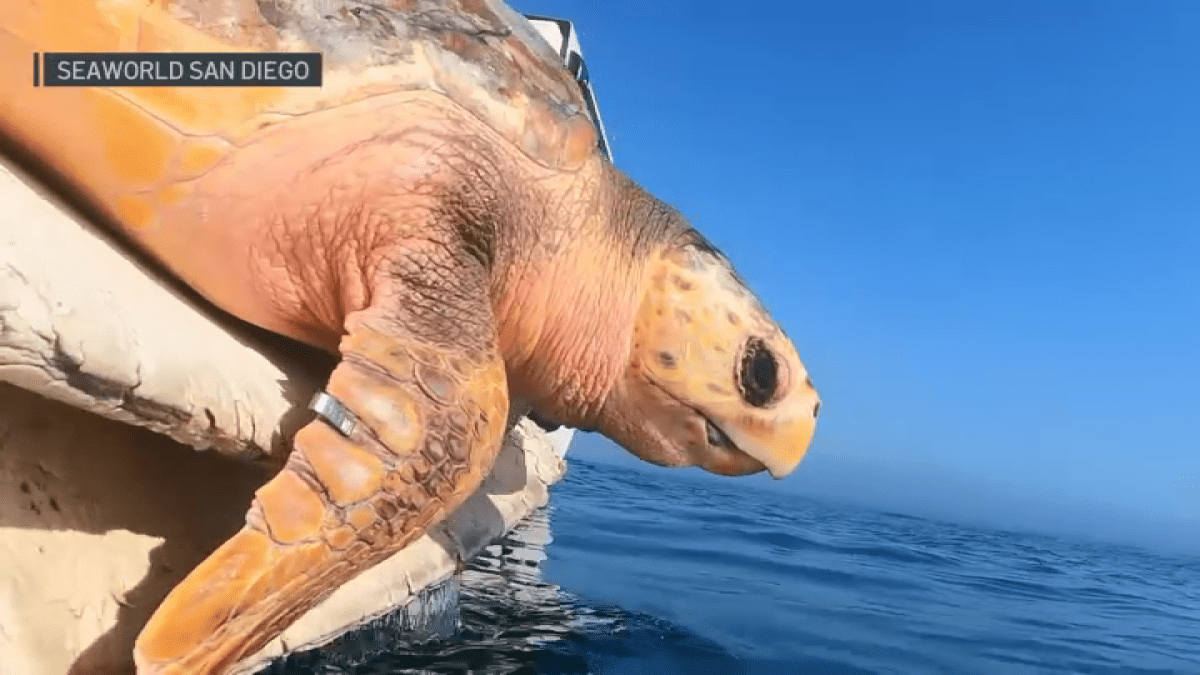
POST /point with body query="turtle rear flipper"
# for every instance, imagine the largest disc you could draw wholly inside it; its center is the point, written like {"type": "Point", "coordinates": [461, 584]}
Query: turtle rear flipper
{"type": "Point", "coordinates": [426, 421]}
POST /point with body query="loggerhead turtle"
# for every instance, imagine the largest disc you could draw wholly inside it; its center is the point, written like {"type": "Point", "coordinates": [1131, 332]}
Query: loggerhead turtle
{"type": "Point", "coordinates": [439, 214]}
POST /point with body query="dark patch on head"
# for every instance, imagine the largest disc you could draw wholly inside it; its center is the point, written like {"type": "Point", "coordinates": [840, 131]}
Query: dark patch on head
{"type": "Point", "coordinates": [758, 374]}
{"type": "Point", "coordinates": [683, 315]}
{"type": "Point", "coordinates": [54, 504]}
{"type": "Point", "coordinates": [736, 284]}
{"type": "Point", "coordinates": [25, 486]}
{"type": "Point", "coordinates": [667, 359]}
{"type": "Point", "coordinates": [692, 237]}
{"type": "Point", "coordinates": [694, 260]}
{"type": "Point", "coordinates": [816, 409]}
{"type": "Point", "coordinates": [809, 383]}
{"type": "Point", "coordinates": [733, 318]}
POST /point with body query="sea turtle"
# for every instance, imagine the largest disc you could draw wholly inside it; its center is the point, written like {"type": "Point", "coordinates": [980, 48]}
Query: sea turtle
{"type": "Point", "coordinates": [439, 214]}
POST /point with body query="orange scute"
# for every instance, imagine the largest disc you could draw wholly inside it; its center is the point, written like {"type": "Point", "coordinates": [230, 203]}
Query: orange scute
{"type": "Point", "coordinates": [349, 473]}
{"type": "Point", "coordinates": [136, 146]}
{"type": "Point", "coordinates": [292, 510]}
{"type": "Point", "coordinates": [137, 212]}
{"type": "Point", "coordinates": [361, 517]}
{"type": "Point", "coordinates": [394, 419]}
{"type": "Point", "coordinates": [199, 155]}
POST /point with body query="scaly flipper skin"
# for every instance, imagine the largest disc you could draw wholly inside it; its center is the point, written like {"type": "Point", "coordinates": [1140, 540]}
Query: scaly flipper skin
{"type": "Point", "coordinates": [430, 420]}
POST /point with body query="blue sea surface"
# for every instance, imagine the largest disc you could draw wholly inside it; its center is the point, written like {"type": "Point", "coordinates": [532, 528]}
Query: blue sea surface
{"type": "Point", "coordinates": [641, 572]}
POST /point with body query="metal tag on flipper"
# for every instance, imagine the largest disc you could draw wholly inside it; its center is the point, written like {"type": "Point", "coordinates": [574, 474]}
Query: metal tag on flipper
{"type": "Point", "coordinates": [332, 411]}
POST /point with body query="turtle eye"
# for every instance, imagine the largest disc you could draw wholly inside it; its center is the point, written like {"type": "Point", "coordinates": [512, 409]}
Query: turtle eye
{"type": "Point", "coordinates": [758, 377]}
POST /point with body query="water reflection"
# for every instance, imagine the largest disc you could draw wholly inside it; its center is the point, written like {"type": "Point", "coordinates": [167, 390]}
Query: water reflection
{"type": "Point", "coordinates": [497, 616]}
{"type": "Point", "coordinates": [500, 616]}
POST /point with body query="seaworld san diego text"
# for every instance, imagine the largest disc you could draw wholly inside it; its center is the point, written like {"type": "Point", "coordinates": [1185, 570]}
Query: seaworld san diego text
{"type": "Point", "coordinates": [142, 69]}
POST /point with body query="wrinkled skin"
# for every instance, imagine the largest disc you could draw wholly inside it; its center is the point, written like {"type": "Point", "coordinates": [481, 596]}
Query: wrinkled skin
{"type": "Point", "coordinates": [462, 245]}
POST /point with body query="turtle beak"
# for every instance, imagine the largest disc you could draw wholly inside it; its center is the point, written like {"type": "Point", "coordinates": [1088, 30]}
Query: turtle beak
{"type": "Point", "coordinates": [779, 446]}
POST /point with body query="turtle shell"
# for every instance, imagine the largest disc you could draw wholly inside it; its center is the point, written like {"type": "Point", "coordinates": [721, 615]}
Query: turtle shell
{"type": "Point", "coordinates": [131, 146]}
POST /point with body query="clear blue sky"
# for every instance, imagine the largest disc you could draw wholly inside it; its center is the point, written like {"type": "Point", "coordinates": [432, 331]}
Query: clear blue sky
{"type": "Point", "coordinates": [980, 222]}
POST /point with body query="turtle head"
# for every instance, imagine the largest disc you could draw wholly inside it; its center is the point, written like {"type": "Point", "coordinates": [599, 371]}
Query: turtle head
{"type": "Point", "coordinates": [712, 381]}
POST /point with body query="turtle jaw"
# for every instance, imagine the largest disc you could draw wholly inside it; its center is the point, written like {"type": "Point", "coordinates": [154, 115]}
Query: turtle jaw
{"type": "Point", "coordinates": [747, 447]}
{"type": "Point", "coordinates": [779, 451]}
{"type": "Point", "coordinates": [699, 439]}
{"type": "Point", "coordinates": [721, 455]}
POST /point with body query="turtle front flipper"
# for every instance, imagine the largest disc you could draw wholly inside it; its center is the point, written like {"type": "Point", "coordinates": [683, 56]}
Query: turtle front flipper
{"type": "Point", "coordinates": [426, 420]}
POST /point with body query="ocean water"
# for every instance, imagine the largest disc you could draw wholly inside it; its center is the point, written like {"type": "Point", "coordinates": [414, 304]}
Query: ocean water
{"type": "Point", "coordinates": [640, 572]}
